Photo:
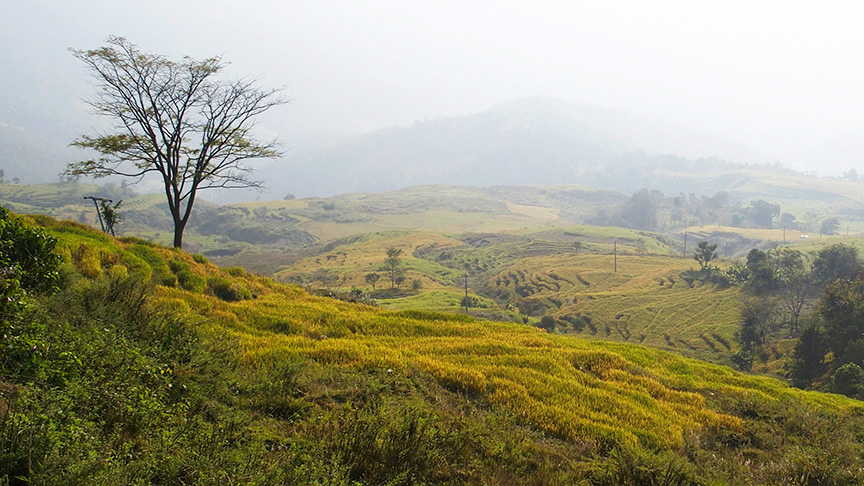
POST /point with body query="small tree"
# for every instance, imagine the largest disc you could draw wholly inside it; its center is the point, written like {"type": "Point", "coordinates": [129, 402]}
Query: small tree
{"type": "Point", "coordinates": [830, 226]}
{"type": "Point", "coordinates": [848, 380]}
{"type": "Point", "coordinates": [175, 120]}
{"type": "Point", "coordinates": [807, 357]}
{"type": "Point", "coordinates": [705, 253]}
{"type": "Point", "coordinates": [548, 323]}
{"type": "Point", "coordinates": [757, 317]}
{"type": "Point", "coordinates": [841, 308]}
{"type": "Point", "coordinates": [836, 262]}
{"type": "Point", "coordinates": [110, 216]}
{"type": "Point", "coordinates": [762, 275]}
{"type": "Point", "coordinates": [325, 278]}
{"type": "Point", "coordinates": [393, 267]}
{"type": "Point", "coordinates": [793, 275]}
{"type": "Point", "coordinates": [762, 213]}
{"type": "Point", "coordinates": [372, 279]}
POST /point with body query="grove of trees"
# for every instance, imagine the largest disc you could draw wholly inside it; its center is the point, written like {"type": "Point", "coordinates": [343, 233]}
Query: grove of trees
{"type": "Point", "coordinates": [818, 298]}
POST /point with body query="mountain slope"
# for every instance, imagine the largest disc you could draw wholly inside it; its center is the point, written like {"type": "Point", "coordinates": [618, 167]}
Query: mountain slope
{"type": "Point", "coordinates": [534, 141]}
{"type": "Point", "coordinates": [232, 377]}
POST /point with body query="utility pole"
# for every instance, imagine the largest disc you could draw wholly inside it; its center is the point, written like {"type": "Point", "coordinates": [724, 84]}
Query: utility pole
{"type": "Point", "coordinates": [96, 201]}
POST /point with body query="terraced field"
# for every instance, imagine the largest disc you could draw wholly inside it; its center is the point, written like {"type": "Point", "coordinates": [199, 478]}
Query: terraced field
{"type": "Point", "coordinates": [646, 301]}
{"type": "Point", "coordinates": [586, 395]}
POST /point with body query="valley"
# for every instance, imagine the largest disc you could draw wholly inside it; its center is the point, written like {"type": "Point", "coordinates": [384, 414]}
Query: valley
{"type": "Point", "coordinates": [524, 310]}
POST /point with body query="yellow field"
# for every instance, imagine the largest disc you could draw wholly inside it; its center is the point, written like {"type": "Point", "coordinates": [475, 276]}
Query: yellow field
{"type": "Point", "coordinates": [645, 301]}
{"type": "Point", "coordinates": [355, 260]}
{"type": "Point", "coordinates": [592, 392]}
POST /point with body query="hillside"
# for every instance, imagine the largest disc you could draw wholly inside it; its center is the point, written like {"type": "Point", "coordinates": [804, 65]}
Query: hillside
{"type": "Point", "coordinates": [525, 257]}
{"type": "Point", "coordinates": [153, 365]}
{"type": "Point", "coordinates": [530, 141]}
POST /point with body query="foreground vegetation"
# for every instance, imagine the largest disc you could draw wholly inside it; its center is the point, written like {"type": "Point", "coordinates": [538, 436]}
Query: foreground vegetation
{"type": "Point", "coordinates": [143, 365]}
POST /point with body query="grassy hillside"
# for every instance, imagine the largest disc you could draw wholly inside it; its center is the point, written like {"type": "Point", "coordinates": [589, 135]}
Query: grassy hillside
{"type": "Point", "coordinates": [567, 273]}
{"type": "Point", "coordinates": [155, 366]}
{"type": "Point", "coordinates": [646, 301]}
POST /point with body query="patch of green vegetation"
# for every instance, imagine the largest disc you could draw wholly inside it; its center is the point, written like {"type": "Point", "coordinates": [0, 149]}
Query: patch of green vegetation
{"type": "Point", "coordinates": [436, 300]}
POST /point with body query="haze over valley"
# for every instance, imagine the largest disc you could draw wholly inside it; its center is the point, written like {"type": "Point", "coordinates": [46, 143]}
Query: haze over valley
{"type": "Point", "coordinates": [746, 84]}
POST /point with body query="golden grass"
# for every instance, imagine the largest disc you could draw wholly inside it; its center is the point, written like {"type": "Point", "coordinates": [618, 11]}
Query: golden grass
{"type": "Point", "coordinates": [646, 301]}
{"type": "Point", "coordinates": [600, 393]}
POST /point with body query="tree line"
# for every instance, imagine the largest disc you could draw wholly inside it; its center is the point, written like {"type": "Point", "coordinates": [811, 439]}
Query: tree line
{"type": "Point", "coordinates": [816, 298]}
{"type": "Point", "coordinates": [654, 211]}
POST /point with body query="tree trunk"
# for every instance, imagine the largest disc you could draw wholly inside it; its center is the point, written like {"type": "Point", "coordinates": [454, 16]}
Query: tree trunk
{"type": "Point", "coordinates": [179, 226]}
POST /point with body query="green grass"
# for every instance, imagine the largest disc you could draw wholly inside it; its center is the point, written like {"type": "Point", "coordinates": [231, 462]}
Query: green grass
{"type": "Point", "coordinates": [435, 300]}
{"type": "Point", "coordinates": [646, 301]}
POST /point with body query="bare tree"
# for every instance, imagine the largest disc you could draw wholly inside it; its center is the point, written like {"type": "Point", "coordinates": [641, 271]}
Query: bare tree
{"type": "Point", "coordinates": [173, 119]}
{"type": "Point", "coordinates": [793, 274]}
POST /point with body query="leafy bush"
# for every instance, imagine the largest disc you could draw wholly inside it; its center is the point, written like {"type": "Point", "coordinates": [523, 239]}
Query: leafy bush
{"type": "Point", "coordinates": [848, 380]}
{"type": "Point", "coordinates": [236, 271]}
{"type": "Point", "coordinates": [227, 290]}
{"type": "Point", "coordinates": [190, 281]}
{"type": "Point", "coordinates": [28, 264]}
{"type": "Point", "coordinates": [548, 323]}
{"type": "Point", "coordinates": [27, 254]}
{"type": "Point", "coordinates": [160, 273]}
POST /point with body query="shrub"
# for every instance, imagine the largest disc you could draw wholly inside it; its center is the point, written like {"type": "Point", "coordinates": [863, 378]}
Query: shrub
{"type": "Point", "coordinates": [236, 271]}
{"type": "Point", "coordinates": [160, 272]}
{"type": "Point", "coordinates": [29, 252]}
{"type": "Point", "coordinates": [226, 290]}
{"type": "Point", "coordinates": [190, 281]}
{"type": "Point", "coordinates": [848, 380]}
{"type": "Point", "coordinates": [177, 266]}
{"type": "Point", "coordinates": [548, 323]}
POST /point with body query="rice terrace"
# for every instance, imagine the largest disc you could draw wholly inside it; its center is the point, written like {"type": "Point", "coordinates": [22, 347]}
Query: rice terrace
{"type": "Point", "coordinates": [414, 282]}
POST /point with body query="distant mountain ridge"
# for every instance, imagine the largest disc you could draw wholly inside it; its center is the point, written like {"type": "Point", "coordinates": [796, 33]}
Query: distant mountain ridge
{"type": "Point", "coordinates": [538, 141]}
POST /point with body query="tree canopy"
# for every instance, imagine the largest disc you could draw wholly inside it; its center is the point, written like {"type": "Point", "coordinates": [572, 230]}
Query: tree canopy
{"type": "Point", "coordinates": [393, 266]}
{"type": "Point", "coordinates": [174, 119]}
{"type": "Point", "coordinates": [705, 253]}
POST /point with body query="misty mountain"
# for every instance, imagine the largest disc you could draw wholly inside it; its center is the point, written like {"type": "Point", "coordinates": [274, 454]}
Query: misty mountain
{"type": "Point", "coordinates": [842, 152]}
{"type": "Point", "coordinates": [533, 141]}
{"type": "Point", "coordinates": [34, 138]}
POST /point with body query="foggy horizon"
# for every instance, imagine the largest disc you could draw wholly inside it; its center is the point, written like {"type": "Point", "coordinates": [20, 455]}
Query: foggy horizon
{"type": "Point", "coordinates": [779, 78]}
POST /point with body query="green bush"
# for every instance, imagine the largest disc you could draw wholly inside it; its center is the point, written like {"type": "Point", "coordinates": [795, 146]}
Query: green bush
{"type": "Point", "coordinates": [160, 272]}
{"type": "Point", "coordinates": [548, 323]}
{"type": "Point", "coordinates": [236, 271]}
{"type": "Point", "coordinates": [28, 264]}
{"type": "Point", "coordinates": [177, 266]}
{"type": "Point", "coordinates": [226, 290]}
{"type": "Point", "coordinates": [27, 254]}
{"type": "Point", "coordinates": [190, 281]}
{"type": "Point", "coordinates": [848, 380]}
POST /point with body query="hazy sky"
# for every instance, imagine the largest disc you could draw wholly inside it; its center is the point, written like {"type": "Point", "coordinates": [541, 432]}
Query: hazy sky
{"type": "Point", "coordinates": [781, 77]}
